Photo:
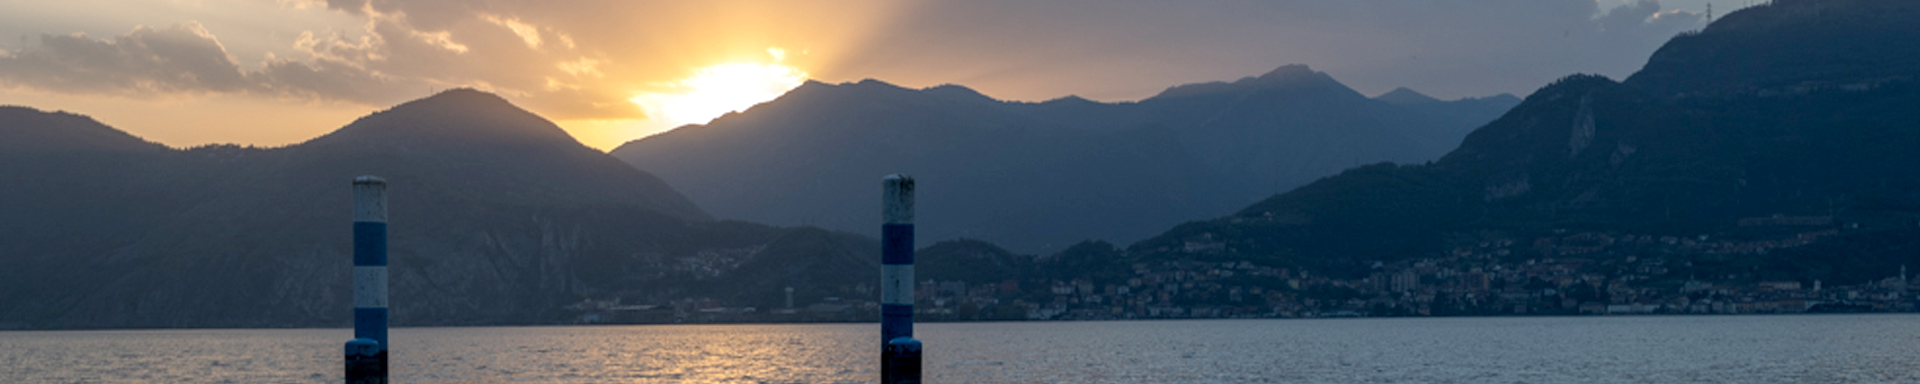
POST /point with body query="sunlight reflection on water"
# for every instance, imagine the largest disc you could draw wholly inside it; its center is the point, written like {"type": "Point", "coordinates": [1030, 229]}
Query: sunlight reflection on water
{"type": "Point", "coordinates": [1742, 349]}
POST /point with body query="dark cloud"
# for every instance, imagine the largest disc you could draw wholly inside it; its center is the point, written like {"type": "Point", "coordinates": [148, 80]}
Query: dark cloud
{"type": "Point", "coordinates": [357, 7]}
{"type": "Point", "coordinates": [392, 64]}
{"type": "Point", "coordinates": [183, 58]}
{"type": "Point", "coordinates": [187, 59]}
{"type": "Point", "coordinates": [392, 59]}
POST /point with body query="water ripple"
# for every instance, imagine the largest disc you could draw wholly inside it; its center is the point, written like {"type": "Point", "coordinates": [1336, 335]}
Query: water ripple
{"type": "Point", "coordinates": [1716, 349]}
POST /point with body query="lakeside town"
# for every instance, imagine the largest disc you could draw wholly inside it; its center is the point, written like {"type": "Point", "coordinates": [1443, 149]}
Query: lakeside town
{"type": "Point", "coordinates": [1574, 273]}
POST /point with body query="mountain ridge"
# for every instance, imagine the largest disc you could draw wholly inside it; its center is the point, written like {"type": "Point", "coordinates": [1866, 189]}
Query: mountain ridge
{"type": "Point", "coordinates": [1787, 46]}
{"type": "Point", "coordinates": [462, 114]}
{"type": "Point", "coordinates": [1657, 154]}
{"type": "Point", "coordinates": [497, 218]}
{"type": "Point", "coordinates": [1405, 96]}
{"type": "Point", "coordinates": [61, 130]}
{"type": "Point", "coordinates": [1146, 163]}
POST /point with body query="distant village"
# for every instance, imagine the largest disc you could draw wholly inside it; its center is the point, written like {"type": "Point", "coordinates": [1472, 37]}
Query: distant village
{"type": "Point", "coordinates": [1583, 273]}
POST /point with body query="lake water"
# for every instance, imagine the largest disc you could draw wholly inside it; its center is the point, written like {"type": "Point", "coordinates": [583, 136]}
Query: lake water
{"type": "Point", "coordinates": [1680, 349]}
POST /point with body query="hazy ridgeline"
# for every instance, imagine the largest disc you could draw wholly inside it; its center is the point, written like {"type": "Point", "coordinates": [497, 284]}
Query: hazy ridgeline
{"type": "Point", "coordinates": [1038, 177]}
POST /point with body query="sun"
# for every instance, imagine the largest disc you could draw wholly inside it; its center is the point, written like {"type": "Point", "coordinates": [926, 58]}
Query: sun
{"type": "Point", "coordinates": [718, 89]}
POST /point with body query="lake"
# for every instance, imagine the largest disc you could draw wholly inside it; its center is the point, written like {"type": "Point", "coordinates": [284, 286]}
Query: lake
{"type": "Point", "coordinates": [1652, 349]}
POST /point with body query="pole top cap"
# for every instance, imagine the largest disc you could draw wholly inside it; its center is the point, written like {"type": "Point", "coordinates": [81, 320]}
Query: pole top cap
{"type": "Point", "coordinates": [362, 347]}
{"type": "Point", "coordinates": [896, 199]}
{"type": "Point", "coordinates": [369, 179]}
{"type": "Point", "coordinates": [903, 344]}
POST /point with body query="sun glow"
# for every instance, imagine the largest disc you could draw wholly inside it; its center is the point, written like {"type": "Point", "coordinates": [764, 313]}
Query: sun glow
{"type": "Point", "coordinates": [718, 89]}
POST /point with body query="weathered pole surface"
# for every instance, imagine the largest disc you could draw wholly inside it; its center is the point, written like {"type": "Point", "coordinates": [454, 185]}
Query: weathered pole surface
{"type": "Point", "coordinates": [366, 354]}
{"type": "Point", "coordinates": [899, 352]}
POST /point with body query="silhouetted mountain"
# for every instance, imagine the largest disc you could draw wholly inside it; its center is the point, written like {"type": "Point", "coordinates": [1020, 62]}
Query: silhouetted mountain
{"type": "Point", "coordinates": [970, 260]}
{"type": "Point", "coordinates": [476, 145]}
{"type": "Point", "coordinates": [1404, 96]}
{"type": "Point", "coordinates": [1789, 46]}
{"type": "Point", "coordinates": [1467, 113]}
{"type": "Point", "coordinates": [497, 217]}
{"type": "Point", "coordinates": [30, 130]}
{"type": "Point", "coordinates": [1815, 120]}
{"type": "Point", "coordinates": [71, 184]}
{"type": "Point", "coordinates": [1038, 176]}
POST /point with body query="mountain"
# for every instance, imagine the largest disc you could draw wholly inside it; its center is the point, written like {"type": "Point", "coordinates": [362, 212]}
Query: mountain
{"type": "Point", "coordinates": [74, 183]}
{"type": "Point", "coordinates": [1037, 177]}
{"type": "Point", "coordinates": [1781, 134]}
{"type": "Point", "coordinates": [1788, 47]}
{"type": "Point", "coordinates": [1404, 96]}
{"type": "Point", "coordinates": [498, 217]}
{"type": "Point", "coordinates": [34, 131]}
{"type": "Point", "coordinates": [969, 260]}
{"type": "Point", "coordinates": [1468, 113]}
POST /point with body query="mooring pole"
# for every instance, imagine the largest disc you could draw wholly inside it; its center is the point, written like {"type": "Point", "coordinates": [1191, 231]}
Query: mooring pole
{"type": "Point", "coordinates": [899, 352]}
{"type": "Point", "coordinates": [367, 353]}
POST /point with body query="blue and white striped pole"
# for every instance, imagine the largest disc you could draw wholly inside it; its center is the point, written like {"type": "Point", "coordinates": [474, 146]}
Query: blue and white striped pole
{"type": "Point", "coordinates": [899, 352]}
{"type": "Point", "coordinates": [367, 353]}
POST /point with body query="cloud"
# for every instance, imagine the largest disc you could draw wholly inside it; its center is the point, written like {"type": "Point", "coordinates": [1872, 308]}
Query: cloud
{"type": "Point", "coordinates": [183, 58]}
{"type": "Point", "coordinates": [1629, 17]}
{"type": "Point", "coordinates": [329, 79]}
{"type": "Point", "coordinates": [488, 45]}
{"type": "Point", "coordinates": [584, 59]}
{"type": "Point", "coordinates": [527, 32]}
{"type": "Point", "coordinates": [580, 60]}
{"type": "Point", "coordinates": [186, 59]}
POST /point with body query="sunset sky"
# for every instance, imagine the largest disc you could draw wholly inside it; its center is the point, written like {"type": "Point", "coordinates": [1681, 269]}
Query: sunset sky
{"type": "Point", "coordinates": [278, 72]}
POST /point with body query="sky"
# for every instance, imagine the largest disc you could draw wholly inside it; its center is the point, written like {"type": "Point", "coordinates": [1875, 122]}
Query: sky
{"type": "Point", "coordinates": [278, 72]}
